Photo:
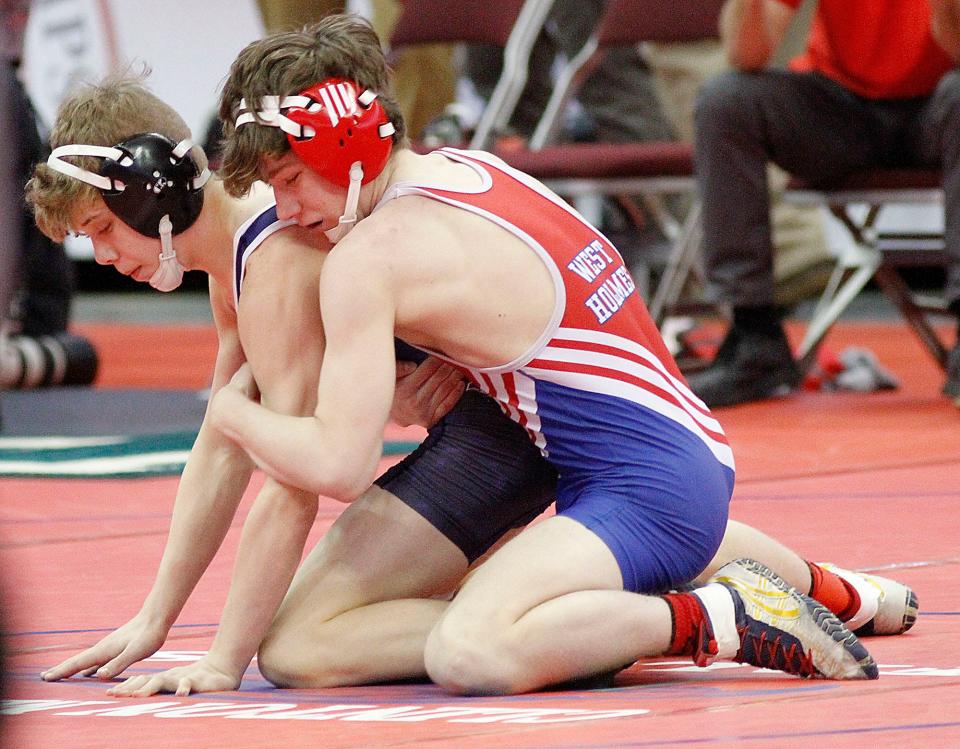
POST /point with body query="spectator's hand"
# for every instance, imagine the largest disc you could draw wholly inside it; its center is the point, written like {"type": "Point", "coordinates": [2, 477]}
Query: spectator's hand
{"type": "Point", "coordinates": [134, 641]}
{"type": "Point", "coordinates": [425, 392]}
{"type": "Point", "coordinates": [945, 25]}
{"type": "Point", "coordinates": [202, 676]}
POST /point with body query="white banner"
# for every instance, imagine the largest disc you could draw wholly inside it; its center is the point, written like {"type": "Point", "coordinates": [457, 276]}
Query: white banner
{"type": "Point", "coordinates": [188, 45]}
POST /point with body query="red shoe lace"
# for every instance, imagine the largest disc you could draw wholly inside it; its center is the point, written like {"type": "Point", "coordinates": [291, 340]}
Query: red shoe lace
{"type": "Point", "coordinates": [795, 661]}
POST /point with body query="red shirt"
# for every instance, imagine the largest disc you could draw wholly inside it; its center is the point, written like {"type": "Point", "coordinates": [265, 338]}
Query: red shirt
{"type": "Point", "coordinates": [880, 49]}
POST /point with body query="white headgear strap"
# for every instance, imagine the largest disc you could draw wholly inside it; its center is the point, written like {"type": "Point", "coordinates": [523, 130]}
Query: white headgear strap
{"type": "Point", "coordinates": [169, 274]}
{"type": "Point", "coordinates": [56, 162]}
{"type": "Point", "coordinates": [270, 113]}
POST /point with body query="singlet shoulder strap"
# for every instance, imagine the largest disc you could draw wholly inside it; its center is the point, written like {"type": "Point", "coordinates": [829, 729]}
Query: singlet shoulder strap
{"type": "Point", "coordinates": [249, 237]}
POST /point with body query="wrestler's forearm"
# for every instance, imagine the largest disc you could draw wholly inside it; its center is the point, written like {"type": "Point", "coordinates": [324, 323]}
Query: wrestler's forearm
{"type": "Point", "coordinates": [210, 489]}
{"type": "Point", "coordinates": [271, 546]}
{"type": "Point", "coordinates": [298, 450]}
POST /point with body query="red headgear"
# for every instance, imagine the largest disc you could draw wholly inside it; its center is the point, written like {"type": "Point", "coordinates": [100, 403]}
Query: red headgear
{"type": "Point", "coordinates": [330, 128]}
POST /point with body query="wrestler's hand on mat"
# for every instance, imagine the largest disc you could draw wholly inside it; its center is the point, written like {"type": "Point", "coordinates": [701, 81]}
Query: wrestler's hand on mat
{"type": "Point", "coordinates": [202, 676]}
{"type": "Point", "coordinates": [425, 392]}
{"type": "Point", "coordinates": [134, 641]}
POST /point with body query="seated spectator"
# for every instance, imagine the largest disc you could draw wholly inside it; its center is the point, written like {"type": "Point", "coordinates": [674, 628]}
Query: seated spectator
{"type": "Point", "coordinates": [875, 86]}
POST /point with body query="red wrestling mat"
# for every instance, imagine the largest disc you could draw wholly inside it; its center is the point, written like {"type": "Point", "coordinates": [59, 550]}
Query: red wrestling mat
{"type": "Point", "coordinates": [867, 481]}
{"type": "Point", "coordinates": [153, 356]}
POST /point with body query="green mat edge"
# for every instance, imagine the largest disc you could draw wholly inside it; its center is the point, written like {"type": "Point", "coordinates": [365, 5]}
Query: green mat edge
{"type": "Point", "coordinates": [136, 445]}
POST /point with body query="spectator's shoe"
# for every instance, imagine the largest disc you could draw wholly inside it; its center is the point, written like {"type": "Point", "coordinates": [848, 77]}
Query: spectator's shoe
{"type": "Point", "coordinates": [749, 366]}
{"type": "Point", "coordinates": [951, 387]}
{"type": "Point", "coordinates": [775, 626]}
{"type": "Point", "coordinates": [886, 606]}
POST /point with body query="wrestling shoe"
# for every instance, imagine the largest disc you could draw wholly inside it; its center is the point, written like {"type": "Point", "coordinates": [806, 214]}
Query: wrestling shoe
{"type": "Point", "coordinates": [772, 625]}
{"type": "Point", "coordinates": [886, 606]}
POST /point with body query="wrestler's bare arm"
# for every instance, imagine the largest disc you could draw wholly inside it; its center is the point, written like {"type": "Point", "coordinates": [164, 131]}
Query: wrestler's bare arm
{"type": "Point", "coordinates": [336, 451]}
{"type": "Point", "coordinates": [213, 481]}
{"type": "Point", "coordinates": [282, 336]}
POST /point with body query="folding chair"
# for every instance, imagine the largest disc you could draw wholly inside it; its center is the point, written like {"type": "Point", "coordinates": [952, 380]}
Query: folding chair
{"type": "Point", "coordinates": [650, 169]}
{"type": "Point", "coordinates": [857, 203]}
{"type": "Point", "coordinates": [512, 25]}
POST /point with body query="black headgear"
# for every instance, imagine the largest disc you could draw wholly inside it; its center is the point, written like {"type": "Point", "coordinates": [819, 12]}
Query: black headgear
{"type": "Point", "coordinates": [142, 179]}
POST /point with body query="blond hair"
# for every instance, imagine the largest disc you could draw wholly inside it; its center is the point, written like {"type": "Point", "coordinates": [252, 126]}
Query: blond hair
{"type": "Point", "coordinates": [101, 114]}
{"type": "Point", "coordinates": [285, 64]}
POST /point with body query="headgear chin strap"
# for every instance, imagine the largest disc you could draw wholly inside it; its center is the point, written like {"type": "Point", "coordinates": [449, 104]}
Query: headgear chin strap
{"type": "Point", "coordinates": [343, 136]}
{"type": "Point", "coordinates": [169, 274]}
{"type": "Point", "coordinates": [150, 183]}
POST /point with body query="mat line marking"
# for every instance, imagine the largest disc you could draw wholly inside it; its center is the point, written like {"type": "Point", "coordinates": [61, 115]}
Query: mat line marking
{"type": "Point", "coordinates": [85, 519]}
{"type": "Point", "coordinates": [736, 739]}
{"type": "Point", "coordinates": [627, 692]}
{"type": "Point", "coordinates": [816, 496]}
{"type": "Point", "coordinates": [83, 646]}
{"type": "Point", "coordinates": [805, 696]}
{"type": "Point", "coordinates": [92, 630]}
{"type": "Point", "coordinates": [259, 689]}
{"type": "Point", "coordinates": [946, 562]}
{"type": "Point", "coordinates": [236, 524]}
{"type": "Point", "coordinates": [877, 468]}
{"type": "Point", "coordinates": [80, 539]}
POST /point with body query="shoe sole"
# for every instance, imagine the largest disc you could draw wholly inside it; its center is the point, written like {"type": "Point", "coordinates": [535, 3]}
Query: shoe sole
{"type": "Point", "coordinates": [817, 629]}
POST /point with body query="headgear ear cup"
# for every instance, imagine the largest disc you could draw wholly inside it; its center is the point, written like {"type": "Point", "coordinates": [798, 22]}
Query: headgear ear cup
{"type": "Point", "coordinates": [142, 179]}
{"type": "Point", "coordinates": [161, 182]}
{"type": "Point", "coordinates": [343, 136]}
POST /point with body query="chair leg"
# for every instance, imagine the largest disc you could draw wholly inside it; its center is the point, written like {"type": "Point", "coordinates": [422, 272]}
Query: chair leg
{"type": "Point", "coordinates": [656, 203]}
{"type": "Point", "coordinates": [899, 293]}
{"type": "Point", "coordinates": [835, 300]}
{"type": "Point", "coordinates": [683, 256]}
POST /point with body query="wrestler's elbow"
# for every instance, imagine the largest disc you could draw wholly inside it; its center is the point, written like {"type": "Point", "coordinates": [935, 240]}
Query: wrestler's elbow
{"type": "Point", "coordinates": [343, 477]}
{"type": "Point", "coordinates": [341, 488]}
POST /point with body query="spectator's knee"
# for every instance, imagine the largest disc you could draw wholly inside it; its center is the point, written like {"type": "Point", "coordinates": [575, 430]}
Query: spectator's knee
{"type": "Point", "coordinates": [721, 100]}
{"type": "Point", "coordinates": [947, 121]}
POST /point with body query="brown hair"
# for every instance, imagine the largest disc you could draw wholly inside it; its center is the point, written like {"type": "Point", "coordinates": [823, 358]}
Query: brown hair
{"type": "Point", "coordinates": [101, 114]}
{"type": "Point", "coordinates": [287, 63]}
